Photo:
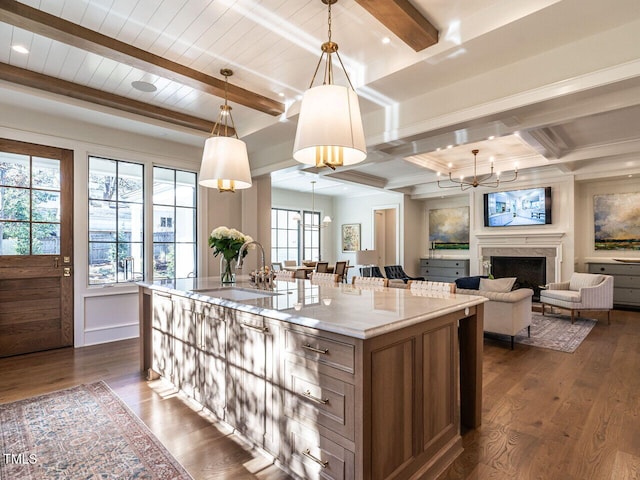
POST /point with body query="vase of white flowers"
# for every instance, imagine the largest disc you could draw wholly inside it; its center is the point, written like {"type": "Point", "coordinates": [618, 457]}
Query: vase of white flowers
{"type": "Point", "coordinates": [226, 242]}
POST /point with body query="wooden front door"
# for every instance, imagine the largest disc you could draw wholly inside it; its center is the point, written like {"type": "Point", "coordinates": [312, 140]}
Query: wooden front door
{"type": "Point", "coordinates": [36, 247]}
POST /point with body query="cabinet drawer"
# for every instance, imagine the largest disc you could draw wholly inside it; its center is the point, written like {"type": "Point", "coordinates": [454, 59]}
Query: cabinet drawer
{"type": "Point", "coordinates": [322, 350]}
{"type": "Point", "coordinates": [444, 262]}
{"type": "Point", "coordinates": [312, 456]}
{"type": "Point", "coordinates": [626, 281]}
{"type": "Point", "coordinates": [626, 296]}
{"type": "Point", "coordinates": [614, 269]}
{"type": "Point", "coordinates": [317, 399]}
{"type": "Point", "coordinates": [445, 272]}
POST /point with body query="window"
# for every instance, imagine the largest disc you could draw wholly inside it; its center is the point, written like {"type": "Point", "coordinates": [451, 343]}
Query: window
{"type": "Point", "coordinates": [29, 205]}
{"type": "Point", "coordinates": [174, 223]}
{"type": "Point", "coordinates": [311, 237]}
{"type": "Point", "coordinates": [116, 221]}
{"type": "Point", "coordinates": [286, 233]}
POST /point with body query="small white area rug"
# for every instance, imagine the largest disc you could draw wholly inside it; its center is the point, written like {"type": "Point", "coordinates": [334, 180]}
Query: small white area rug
{"type": "Point", "coordinates": [556, 332]}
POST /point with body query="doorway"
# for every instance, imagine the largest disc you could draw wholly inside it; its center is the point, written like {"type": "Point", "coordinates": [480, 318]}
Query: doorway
{"type": "Point", "coordinates": [36, 247]}
{"type": "Point", "coordinates": [386, 235]}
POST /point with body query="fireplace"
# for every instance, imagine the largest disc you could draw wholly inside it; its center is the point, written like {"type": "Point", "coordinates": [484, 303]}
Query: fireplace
{"type": "Point", "coordinates": [530, 272]}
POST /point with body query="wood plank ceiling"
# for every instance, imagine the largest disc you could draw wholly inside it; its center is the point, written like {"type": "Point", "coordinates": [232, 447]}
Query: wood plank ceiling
{"type": "Point", "coordinates": [70, 58]}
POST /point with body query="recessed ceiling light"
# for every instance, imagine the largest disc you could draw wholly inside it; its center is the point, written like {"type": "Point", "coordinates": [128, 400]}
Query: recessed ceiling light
{"type": "Point", "coordinates": [449, 146]}
{"type": "Point", "coordinates": [281, 94]}
{"type": "Point", "coordinates": [386, 40]}
{"type": "Point", "coordinates": [144, 86]}
{"type": "Point", "coordinates": [491, 137]}
{"type": "Point", "coordinates": [20, 49]}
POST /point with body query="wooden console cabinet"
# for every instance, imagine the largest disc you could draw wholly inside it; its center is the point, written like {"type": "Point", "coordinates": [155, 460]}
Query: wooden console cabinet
{"type": "Point", "coordinates": [443, 269]}
{"type": "Point", "coordinates": [324, 405]}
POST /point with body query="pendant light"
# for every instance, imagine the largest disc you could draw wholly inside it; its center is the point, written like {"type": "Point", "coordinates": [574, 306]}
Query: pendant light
{"type": "Point", "coordinates": [329, 129]}
{"type": "Point", "coordinates": [225, 163]}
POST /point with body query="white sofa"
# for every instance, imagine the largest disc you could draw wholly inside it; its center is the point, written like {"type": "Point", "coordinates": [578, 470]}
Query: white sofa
{"type": "Point", "coordinates": [505, 313]}
{"type": "Point", "coordinates": [584, 291]}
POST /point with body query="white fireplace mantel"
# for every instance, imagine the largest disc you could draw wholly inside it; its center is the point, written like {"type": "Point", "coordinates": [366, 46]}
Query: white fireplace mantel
{"type": "Point", "coordinates": [524, 244]}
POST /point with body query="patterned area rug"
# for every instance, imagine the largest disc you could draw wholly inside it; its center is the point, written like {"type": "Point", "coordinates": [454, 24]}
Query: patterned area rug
{"type": "Point", "coordinates": [556, 332]}
{"type": "Point", "coordinates": [85, 432]}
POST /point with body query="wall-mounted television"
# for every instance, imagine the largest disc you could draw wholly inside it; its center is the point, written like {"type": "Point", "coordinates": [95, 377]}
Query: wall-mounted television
{"type": "Point", "coordinates": [531, 206]}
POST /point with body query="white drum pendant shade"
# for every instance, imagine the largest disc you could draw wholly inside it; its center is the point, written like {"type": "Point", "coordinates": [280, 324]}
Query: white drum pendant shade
{"type": "Point", "coordinates": [225, 158]}
{"type": "Point", "coordinates": [329, 117]}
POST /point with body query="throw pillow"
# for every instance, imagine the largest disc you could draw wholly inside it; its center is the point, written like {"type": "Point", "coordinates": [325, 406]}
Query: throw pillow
{"type": "Point", "coordinates": [502, 285]}
{"type": "Point", "coordinates": [469, 283]}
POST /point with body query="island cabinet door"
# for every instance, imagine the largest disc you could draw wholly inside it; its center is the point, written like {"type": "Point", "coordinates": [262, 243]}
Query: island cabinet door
{"type": "Point", "coordinates": [161, 335]}
{"type": "Point", "coordinates": [187, 333]}
{"type": "Point", "coordinates": [410, 388]}
{"type": "Point", "coordinates": [213, 364]}
{"type": "Point", "coordinates": [253, 400]}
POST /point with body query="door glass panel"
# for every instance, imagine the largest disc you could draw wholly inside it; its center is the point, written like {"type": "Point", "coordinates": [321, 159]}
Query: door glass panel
{"type": "Point", "coordinates": [45, 239]}
{"type": "Point", "coordinates": [14, 170]}
{"type": "Point", "coordinates": [46, 206]}
{"type": "Point", "coordinates": [102, 221]}
{"type": "Point", "coordinates": [14, 203]}
{"type": "Point", "coordinates": [14, 238]}
{"type": "Point", "coordinates": [46, 173]}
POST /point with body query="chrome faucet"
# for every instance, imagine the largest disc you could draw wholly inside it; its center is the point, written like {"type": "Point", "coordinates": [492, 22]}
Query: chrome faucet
{"type": "Point", "coordinates": [244, 246]}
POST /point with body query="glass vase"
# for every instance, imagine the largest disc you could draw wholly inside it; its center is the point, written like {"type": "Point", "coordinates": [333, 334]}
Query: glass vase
{"type": "Point", "coordinates": [227, 270]}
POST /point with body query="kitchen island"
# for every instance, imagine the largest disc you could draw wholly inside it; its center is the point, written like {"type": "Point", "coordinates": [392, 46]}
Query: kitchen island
{"type": "Point", "coordinates": [333, 381]}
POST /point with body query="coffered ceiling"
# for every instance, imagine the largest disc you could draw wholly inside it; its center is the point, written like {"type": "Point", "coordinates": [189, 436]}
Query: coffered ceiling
{"type": "Point", "coordinates": [556, 82]}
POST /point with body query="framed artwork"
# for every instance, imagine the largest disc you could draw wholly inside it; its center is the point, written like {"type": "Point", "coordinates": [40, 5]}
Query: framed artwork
{"type": "Point", "coordinates": [449, 228]}
{"type": "Point", "coordinates": [616, 218]}
{"type": "Point", "coordinates": [350, 237]}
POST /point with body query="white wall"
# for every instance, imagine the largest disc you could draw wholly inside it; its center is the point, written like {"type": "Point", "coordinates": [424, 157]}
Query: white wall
{"type": "Point", "coordinates": [361, 210]}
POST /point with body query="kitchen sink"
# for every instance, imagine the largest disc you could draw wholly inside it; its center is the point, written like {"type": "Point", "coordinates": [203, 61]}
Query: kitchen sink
{"type": "Point", "coordinates": [235, 293]}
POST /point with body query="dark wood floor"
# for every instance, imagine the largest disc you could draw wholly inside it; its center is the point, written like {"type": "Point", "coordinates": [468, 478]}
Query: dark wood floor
{"type": "Point", "coordinates": [546, 415]}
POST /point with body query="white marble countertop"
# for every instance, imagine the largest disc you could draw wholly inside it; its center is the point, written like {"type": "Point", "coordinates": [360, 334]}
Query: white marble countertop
{"type": "Point", "coordinates": [356, 312]}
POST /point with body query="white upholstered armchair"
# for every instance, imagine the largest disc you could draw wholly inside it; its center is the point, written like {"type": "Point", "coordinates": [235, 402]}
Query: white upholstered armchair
{"type": "Point", "coordinates": [584, 291]}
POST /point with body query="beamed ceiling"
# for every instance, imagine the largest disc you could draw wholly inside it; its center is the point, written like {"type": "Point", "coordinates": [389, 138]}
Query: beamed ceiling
{"type": "Point", "coordinates": [549, 86]}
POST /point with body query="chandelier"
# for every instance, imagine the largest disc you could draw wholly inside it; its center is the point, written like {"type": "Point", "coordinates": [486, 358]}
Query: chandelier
{"type": "Point", "coordinates": [225, 163]}
{"type": "Point", "coordinates": [486, 180]}
{"type": "Point", "coordinates": [325, 221]}
{"type": "Point", "coordinates": [329, 131]}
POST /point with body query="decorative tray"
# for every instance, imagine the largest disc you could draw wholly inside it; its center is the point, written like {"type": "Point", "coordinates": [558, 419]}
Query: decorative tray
{"type": "Point", "coordinates": [627, 260]}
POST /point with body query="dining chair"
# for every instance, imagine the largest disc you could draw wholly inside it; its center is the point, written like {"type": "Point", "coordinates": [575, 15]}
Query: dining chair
{"type": "Point", "coordinates": [341, 270]}
{"type": "Point", "coordinates": [290, 263]}
{"type": "Point", "coordinates": [368, 281]}
{"type": "Point", "coordinates": [322, 267]}
{"type": "Point", "coordinates": [276, 266]}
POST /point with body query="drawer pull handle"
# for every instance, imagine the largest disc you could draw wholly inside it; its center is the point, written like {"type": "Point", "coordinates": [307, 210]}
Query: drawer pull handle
{"type": "Point", "coordinates": [307, 453]}
{"type": "Point", "coordinates": [321, 401]}
{"type": "Point", "coordinates": [307, 346]}
{"type": "Point", "coordinates": [255, 327]}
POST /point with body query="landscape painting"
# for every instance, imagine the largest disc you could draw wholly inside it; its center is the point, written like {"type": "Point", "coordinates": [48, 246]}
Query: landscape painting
{"type": "Point", "coordinates": [449, 228]}
{"type": "Point", "coordinates": [617, 221]}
